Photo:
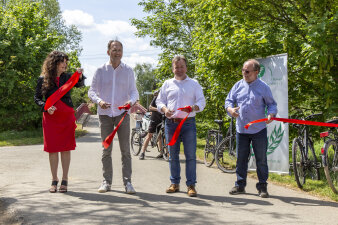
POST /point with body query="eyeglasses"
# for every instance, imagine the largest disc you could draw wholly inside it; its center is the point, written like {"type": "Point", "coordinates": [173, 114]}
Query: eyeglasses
{"type": "Point", "coordinates": [247, 71]}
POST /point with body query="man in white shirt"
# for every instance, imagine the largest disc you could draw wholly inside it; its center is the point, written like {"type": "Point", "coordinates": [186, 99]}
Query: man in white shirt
{"type": "Point", "coordinates": [114, 85]}
{"type": "Point", "coordinates": [178, 92]}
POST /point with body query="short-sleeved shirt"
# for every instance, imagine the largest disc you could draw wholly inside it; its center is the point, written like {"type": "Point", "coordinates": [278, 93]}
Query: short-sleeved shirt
{"type": "Point", "coordinates": [155, 115]}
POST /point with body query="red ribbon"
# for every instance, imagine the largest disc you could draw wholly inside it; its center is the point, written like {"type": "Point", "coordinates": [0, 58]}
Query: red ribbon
{"type": "Point", "coordinates": [304, 122]}
{"type": "Point", "coordinates": [106, 143]}
{"type": "Point", "coordinates": [178, 128]}
{"type": "Point", "coordinates": [57, 95]}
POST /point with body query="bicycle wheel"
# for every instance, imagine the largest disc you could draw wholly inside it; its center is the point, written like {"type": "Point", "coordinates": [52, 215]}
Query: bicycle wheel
{"type": "Point", "coordinates": [331, 164]}
{"type": "Point", "coordinates": [209, 150]}
{"type": "Point", "coordinates": [136, 141]}
{"type": "Point", "coordinates": [298, 162]}
{"type": "Point", "coordinates": [165, 148]}
{"type": "Point", "coordinates": [225, 155]}
{"type": "Point", "coordinates": [312, 168]}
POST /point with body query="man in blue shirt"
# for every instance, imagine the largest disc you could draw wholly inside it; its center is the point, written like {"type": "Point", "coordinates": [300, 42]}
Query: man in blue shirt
{"type": "Point", "coordinates": [247, 101]}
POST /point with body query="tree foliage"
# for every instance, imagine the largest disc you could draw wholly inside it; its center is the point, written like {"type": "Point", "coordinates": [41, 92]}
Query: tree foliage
{"type": "Point", "coordinates": [145, 82]}
{"type": "Point", "coordinates": [219, 35]}
{"type": "Point", "coordinates": [27, 35]}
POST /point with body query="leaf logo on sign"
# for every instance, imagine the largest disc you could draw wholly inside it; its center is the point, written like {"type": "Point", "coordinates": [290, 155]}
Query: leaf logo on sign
{"type": "Point", "coordinates": [262, 71]}
{"type": "Point", "coordinates": [275, 139]}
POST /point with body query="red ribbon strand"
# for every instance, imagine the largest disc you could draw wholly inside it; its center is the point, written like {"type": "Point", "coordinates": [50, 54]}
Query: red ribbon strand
{"type": "Point", "coordinates": [106, 143]}
{"type": "Point", "coordinates": [56, 96]}
{"type": "Point", "coordinates": [304, 122]}
{"type": "Point", "coordinates": [178, 128]}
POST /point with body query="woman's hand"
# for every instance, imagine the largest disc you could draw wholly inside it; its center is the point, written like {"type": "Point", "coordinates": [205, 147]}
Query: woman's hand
{"type": "Point", "coordinates": [79, 70]}
{"type": "Point", "coordinates": [51, 110]}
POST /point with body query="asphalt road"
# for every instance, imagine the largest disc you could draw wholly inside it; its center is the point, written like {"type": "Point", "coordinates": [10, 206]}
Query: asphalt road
{"type": "Point", "coordinates": [25, 179]}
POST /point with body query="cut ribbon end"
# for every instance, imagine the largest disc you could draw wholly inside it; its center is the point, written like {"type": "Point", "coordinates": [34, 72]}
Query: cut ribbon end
{"type": "Point", "coordinates": [126, 107]}
{"type": "Point", "coordinates": [189, 108]}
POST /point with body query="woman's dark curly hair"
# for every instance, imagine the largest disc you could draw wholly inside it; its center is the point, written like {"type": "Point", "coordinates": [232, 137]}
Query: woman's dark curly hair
{"type": "Point", "coordinates": [49, 69]}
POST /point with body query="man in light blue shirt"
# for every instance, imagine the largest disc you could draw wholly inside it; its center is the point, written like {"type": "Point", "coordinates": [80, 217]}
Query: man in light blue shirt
{"type": "Point", "coordinates": [247, 101]}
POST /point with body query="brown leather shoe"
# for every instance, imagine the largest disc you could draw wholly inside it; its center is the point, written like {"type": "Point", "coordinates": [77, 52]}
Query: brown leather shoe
{"type": "Point", "coordinates": [173, 188]}
{"type": "Point", "coordinates": [192, 191]}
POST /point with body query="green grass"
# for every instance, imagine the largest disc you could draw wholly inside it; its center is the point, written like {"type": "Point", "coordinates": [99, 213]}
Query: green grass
{"type": "Point", "coordinates": [319, 188]}
{"type": "Point", "coordinates": [30, 137]}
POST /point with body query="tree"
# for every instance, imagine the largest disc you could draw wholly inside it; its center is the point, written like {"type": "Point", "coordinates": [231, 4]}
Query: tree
{"type": "Point", "coordinates": [145, 82]}
{"type": "Point", "coordinates": [222, 34]}
{"type": "Point", "coordinates": [170, 27]}
{"type": "Point", "coordinates": [26, 37]}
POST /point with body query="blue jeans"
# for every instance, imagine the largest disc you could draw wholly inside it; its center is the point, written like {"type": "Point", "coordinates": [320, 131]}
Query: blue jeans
{"type": "Point", "coordinates": [259, 143]}
{"type": "Point", "coordinates": [188, 136]}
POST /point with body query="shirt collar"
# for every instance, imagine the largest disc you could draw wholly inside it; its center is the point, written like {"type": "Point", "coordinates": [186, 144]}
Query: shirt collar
{"type": "Point", "coordinates": [253, 83]}
{"type": "Point", "coordinates": [122, 65]}
{"type": "Point", "coordinates": [186, 79]}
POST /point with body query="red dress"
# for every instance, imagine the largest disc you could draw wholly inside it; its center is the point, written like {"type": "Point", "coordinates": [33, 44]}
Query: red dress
{"type": "Point", "coordinates": [59, 128]}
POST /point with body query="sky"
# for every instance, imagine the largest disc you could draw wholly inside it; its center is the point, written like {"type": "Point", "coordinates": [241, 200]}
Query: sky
{"type": "Point", "coordinates": [103, 20]}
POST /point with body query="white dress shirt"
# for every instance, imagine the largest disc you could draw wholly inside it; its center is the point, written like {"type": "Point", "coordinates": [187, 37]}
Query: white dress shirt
{"type": "Point", "coordinates": [176, 94]}
{"type": "Point", "coordinates": [114, 86]}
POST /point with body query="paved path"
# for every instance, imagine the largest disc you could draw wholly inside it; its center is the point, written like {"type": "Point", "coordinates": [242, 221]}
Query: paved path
{"type": "Point", "coordinates": [25, 179]}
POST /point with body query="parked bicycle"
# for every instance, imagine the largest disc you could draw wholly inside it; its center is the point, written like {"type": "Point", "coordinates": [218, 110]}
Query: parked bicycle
{"type": "Point", "coordinates": [225, 154]}
{"type": "Point", "coordinates": [304, 159]}
{"type": "Point", "coordinates": [330, 156]}
{"type": "Point", "coordinates": [139, 133]}
{"type": "Point", "coordinates": [213, 138]}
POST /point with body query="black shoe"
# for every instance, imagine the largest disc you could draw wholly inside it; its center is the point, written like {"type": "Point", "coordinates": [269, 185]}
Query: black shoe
{"type": "Point", "coordinates": [237, 190]}
{"type": "Point", "coordinates": [141, 156]}
{"type": "Point", "coordinates": [159, 156]}
{"type": "Point", "coordinates": [263, 194]}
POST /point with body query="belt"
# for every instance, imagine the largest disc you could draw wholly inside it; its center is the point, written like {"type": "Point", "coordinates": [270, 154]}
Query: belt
{"type": "Point", "coordinates": [178, 120]}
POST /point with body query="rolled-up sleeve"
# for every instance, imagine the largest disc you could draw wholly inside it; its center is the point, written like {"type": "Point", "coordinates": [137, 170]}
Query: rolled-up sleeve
{"type": "Point", "coordinates": [134, 95]}
{"type": "Point", "coordinates": [161, 100]}
{"type": "Point", "coordinates": [270, 102]}
{"type": "Point", "coordinates": [94, 88]}
{"type": "Point", "coordinates": [200, 99]}
{"type": "Point", "coordinates": [230, 100]}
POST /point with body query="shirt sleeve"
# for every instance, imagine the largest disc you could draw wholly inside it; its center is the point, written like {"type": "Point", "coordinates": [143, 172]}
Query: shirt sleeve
{"type": "Point", "coordinates": [270, 102]}
{"type": "Point", "coordinates": [200, 99]}
{"type": "Point", "coordinates": [230, 100]}
{"type": "Point", "coordinates": [94, 89]}
{"type": "Point", "coordinates": [161, 100]}
{"type": "Point", "coordinates": [134, 96]}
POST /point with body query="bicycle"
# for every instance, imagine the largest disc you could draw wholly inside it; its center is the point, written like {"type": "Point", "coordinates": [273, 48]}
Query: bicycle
{"type": "Point", "coordinates": [330, 156]}
{"type": "Point", "coordinates": [304, 162]}
{"type": "Point", "coordinates": [225, 154]}
{"type": "Point", "coordinates": [159, 136]}
{"type": "Point", "coordinates": [138, 133]}
{"type": "Point", "coordinates": [213, 138]}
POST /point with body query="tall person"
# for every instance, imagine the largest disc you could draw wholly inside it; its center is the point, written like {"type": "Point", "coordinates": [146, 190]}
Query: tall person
{"type": "Point", "coordinates": [59, 120]}
{"type": "Point", "coordinates": [181, 91]}
{"type": "Point", "coordinates": [247, 101]}
{"type": "Point", "coordinates": [114, 85]}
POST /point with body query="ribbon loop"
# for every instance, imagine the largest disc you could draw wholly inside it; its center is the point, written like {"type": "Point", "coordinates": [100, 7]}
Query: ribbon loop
{"type": "Point", "coordinates": [57, 95]}
{"type": "Point", "coordinates": [106, 143]}
{"type": "Point", "coordinates": [179, 127]}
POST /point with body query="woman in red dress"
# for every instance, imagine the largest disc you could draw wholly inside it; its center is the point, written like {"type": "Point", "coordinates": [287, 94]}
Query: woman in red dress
{"type": "Point", "coordinates": [58, 121]}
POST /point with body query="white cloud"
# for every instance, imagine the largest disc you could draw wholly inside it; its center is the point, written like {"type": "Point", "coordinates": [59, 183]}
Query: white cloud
{"type": "Point", "coordinates": [88, 71]}
{"type": "Point", "coordinates": [133, 59]}
{"type": "Point", "coordinates": [115, 28]}
{"type": "Point", "coordinates": [85, 21]}
{"type": "Point", "coordinates": [78, 18]}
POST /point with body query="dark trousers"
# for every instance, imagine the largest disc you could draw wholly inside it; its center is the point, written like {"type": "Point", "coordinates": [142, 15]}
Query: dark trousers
{"type": "Point", "coordinates": [259, 143]}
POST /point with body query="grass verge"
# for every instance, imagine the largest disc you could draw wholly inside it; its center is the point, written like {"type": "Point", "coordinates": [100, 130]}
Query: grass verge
{"type": "Point", "coordinates": [318, 188]}
{"type": "Point", "coordinates": [30, 137]}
